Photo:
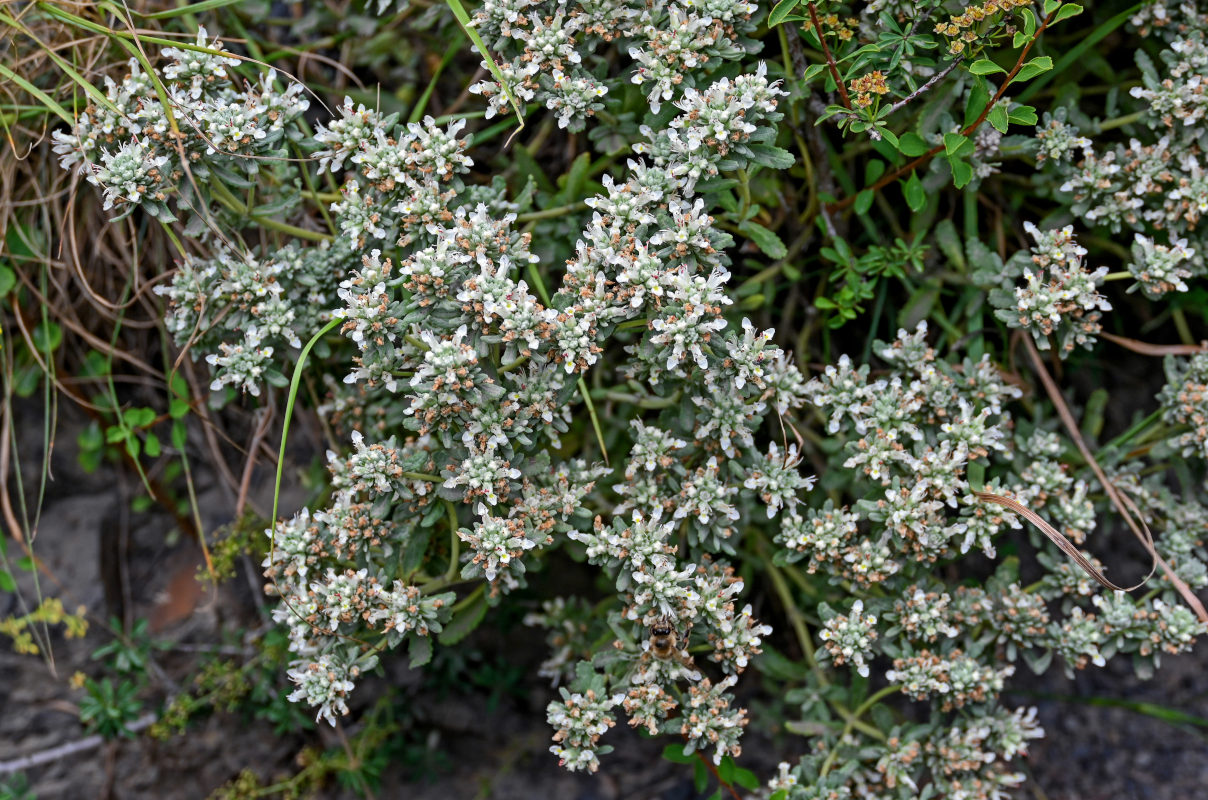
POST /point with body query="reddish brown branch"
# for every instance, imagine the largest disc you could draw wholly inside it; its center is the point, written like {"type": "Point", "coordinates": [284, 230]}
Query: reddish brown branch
{"type": "Point", "coordinates": [830, 60]}
{"type": "Point", "coordinates": [890, 177]}
{"type": "Point", "coordinates": [717, 775]}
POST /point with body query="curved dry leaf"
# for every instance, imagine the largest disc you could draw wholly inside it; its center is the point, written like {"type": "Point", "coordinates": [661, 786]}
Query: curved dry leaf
{"type": "Point", "coordinates": [1056, 537]}
{"type": "Point", "coordinates": [1123, 503]}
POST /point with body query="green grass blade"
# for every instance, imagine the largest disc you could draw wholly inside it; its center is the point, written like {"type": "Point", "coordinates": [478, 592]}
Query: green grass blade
{"type": "Point", "coordinates": [187, 8]}
{"type": "Point", "coordinates": [294, 383]}
{"type": "Point", "coordinates": [46, 100]}
{"type": "Point", "coordinates": [96, 94]}
{"type": "Point", "coordinates": [543, 293]}
{"type": "Point", "coordinates": [417, 113]}
{"type": "Point", "coordinates": [467, 25]}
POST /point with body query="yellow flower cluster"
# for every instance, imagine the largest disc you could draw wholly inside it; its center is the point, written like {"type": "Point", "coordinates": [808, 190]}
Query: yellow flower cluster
{"type": "Point", "coordinates": [843, 29]}
{"type": "Point", "coordinates": [866, 86]}
{"type": "Point", "coordinates": [50, 612]}
{"type": "Point", "coordinates": [960, 28]}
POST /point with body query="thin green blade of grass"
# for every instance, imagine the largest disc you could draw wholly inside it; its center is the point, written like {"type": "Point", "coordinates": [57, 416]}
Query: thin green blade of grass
{"type": "Point", "coordinates": [22, 529]}
{"type": "Point", "coordinates": [1172, 716]}
{"type": "Point", "coordinates": [294, 382]}
{"type": "Point", "coordinates": [543, 293]}
{"type": "Point", "coordinates": [187, 8]}
{"type": "Point", "coordinates": [68, 70]}
{"type": "Point", "coordinates": [46, 100]}
{"type": "Point", "coordinates": [95, 27]}
{"type": "Point", "coordinates": [467, 25]}
{"type": "Point", "coordinates": [417, 113]}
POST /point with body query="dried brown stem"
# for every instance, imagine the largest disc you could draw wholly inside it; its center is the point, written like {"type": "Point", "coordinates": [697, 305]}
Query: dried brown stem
{"type": "Point", "coordinates": [1056, 537]}
{"type": "Point", "coordinates": [266, 418]}
{"type": "Point", "coordinates": [1147, 349]}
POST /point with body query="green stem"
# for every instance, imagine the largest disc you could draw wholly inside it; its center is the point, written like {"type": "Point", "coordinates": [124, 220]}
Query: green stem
{"type": "Point", "coordinates": [223, 195]}
{"type": "Point", "coordinates": [1120, 122]}
{"type": "Point", "coordinates": [454, 541]}
{"type": "Point", "coordinates": [294, 383]}
{"type": "Point", "coordinates": [543, 293]}
{"type": "Point", "coordinates": [637, 400]}
{"type": "Point", "coordinates": [180, 248]}
{"type": "Point", "coordinates": [1180, 324]}
{"type": "Point", "coordinates": [550, 213]}
{"type": "Point", "coordinates": [511, 365]}
{"type": "Point", "coordinates": [1130, 434]}
{"type": "Point", "coordinates": [744, 191]}
{"type": "Point", "coordinates": [794, 614]}
{"type": "Point", "coordinates": [1115, 248]}
{"type": "Point", "coordinates": [469, 599]}
{"type": "Point", "coordinates": [852, 722]}
{"type": "Point", "coordinates": [322, 197]}
{"type": "Point", "coordinates": [304, 168]}
{"type": "Point", "coordinates": [292, 230]}
{"type": "Point", "coordinates": [451, 52]}
{"type": "Point", "coordinates": [595, 418]}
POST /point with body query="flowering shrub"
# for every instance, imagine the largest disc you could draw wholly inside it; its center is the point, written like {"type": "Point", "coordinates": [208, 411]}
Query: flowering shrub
{"type": "Point", "coordinates": [511, 386]}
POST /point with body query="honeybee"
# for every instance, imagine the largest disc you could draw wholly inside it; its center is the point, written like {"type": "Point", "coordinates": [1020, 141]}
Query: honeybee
{"type": "Point", "coordinates": [663, 638]}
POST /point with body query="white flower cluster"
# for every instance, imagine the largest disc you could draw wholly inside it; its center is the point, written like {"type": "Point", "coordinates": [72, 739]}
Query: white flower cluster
{"type": "Point", "coordinates": [325, 683]}
{"type": "Point", "coordinates": [969, 757]}
{"type": "Point", "coordinates": [1059, 140]}
{"type": "Point", "coordinates": [913, 435]}
{"type": "Point", "coordinates": [579, 720]}
{"type": "Point", "coordinates": [241, 365]}
{"type": "Point", "coordinates": [405, 178]}
{"type": "Point", "coordinates": [131, 146]}
{"type": "Point", "coordinates": [243, 310]}
{"type": "Point", "coordinates": [557, 54]}
{"type": "Point", "coordinates": [1177, 102]}
{"type": "Point", "coordinates": [910, 435]}
{"type": "Point", "coordinates": [922, 616]}
{"type": "Point", "coordinates": [709, 721]}
{"type": "Point", "coordinates": [848, 638]}
{"type": "Point", "coordinates": [1184, 401]}
{"type": "Point", "coordinates": [953, 678]}
{"type": "Point", "coordinates": [1168, 19]}
{"type": "Point", "coordinates": [1059, 301]}
{"type": "Point", "coordinates": [1159, 268]}
{"type": "Point", "coordinates": [1148, 627]}
{"type": "Point", "coordinates": [1157, 184]}
{"type": "Point", "coordinates": [485, 371]}
{"type": "Point", "coordinates": [465, 374]}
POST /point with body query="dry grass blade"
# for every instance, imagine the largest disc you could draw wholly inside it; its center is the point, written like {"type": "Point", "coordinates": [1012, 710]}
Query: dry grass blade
{"type": "Point", "coordinates": [1147, 349]}
{"type": "Point", "coordinates": [1056, 537]}
{"type": "Point", "coordinates": [1124, 504]}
